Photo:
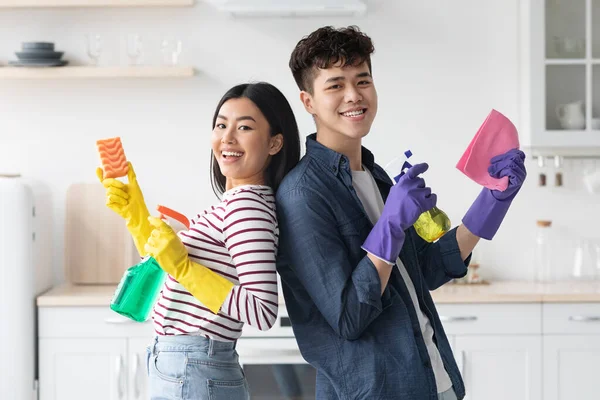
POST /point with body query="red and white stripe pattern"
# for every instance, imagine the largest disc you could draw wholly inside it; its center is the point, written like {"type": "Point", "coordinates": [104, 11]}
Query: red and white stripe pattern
{"type": "Point", "coordinates": [238, 240]}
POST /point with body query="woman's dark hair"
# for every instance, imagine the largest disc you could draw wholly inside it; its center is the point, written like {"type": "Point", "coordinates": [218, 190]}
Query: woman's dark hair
{"type": "Point", "coordinates": [278, 113]}
{"type": "Point", "coordinates": [326, 47]}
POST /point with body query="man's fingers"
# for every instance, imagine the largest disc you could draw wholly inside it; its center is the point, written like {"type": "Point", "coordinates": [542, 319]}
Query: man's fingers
{"type": "Point", "coordinates": [417, 170]}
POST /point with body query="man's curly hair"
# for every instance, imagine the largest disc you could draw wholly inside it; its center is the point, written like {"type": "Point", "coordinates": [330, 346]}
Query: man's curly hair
{"type": "Point", "coordinates": [328, 46]}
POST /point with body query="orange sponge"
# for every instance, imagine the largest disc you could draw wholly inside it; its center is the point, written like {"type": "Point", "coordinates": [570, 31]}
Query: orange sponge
{"type": "Point", "coordinates": [112, 157]}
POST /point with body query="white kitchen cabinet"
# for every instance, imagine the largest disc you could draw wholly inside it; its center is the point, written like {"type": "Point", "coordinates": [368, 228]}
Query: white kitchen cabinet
{"type": "Point", "coordinates": [138, 369]}
{"type": "Point", "coordinates": [102, 369]}
{"type": "Point", "coordinates": [571, 367]}
{"type": "Point", "coordinates": [500, 367]}
{"type": "Point", "coordinates": [82, 368]}
{"type": "Point", "coordinates": [560, 61]}
{"type": "Point", "coordinates": [532, 349]}
{"type": "Point", "coordinates": [91, 353]}
{"type": "Point", "coordinates": [497, 347]}
{"type": "Point", "coordinates": [571, 351]}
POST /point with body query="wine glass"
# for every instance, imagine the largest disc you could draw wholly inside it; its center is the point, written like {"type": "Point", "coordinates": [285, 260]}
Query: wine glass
{"type": "Point", "coordinates": [93, 45]}
{"type": "Point", "coordinates": [171, 49]}
{"type": "Point", "coordinates": [134, 48]}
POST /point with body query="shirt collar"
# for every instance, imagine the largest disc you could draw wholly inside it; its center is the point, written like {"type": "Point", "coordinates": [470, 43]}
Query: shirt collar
{"type": "Point", "coordinates": [332, 159]}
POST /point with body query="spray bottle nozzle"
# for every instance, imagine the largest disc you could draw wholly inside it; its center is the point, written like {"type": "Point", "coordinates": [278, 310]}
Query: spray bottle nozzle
{"type": "Point", "coordinates": [406, 164]}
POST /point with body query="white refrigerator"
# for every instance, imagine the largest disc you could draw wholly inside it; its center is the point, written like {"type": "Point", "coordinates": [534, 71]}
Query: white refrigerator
{"type": "Point", "coordinates": [17, 291]}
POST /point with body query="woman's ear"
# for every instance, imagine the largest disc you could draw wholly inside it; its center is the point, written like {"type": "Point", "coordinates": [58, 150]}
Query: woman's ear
{"type": "Point", "coordinates": [276, 143]}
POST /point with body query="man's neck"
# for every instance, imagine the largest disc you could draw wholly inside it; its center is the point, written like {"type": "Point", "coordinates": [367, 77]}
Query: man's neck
{"type": "Point", "coordinates": [351, 148]}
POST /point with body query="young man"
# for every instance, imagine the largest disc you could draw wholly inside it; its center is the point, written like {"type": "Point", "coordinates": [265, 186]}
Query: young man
{"type": "Point", "coordinates": [356, 277]}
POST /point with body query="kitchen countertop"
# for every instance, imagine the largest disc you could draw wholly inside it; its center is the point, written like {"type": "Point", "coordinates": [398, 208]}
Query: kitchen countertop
{"type": "Point", "coordinates": [66, 295]}
{"type": "Point", "coordinates": [77, 295]}
{"type": "Point", "coordinates": [518, 292]}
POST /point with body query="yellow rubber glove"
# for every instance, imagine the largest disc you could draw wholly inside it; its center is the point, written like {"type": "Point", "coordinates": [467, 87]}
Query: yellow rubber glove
{"type": "Point", "coordinates": [126, 200]}
{"type": "Point", "coordinates": [169, 251]}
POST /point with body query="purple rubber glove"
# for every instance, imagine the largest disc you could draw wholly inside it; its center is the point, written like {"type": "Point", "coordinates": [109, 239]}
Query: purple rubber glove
{"type": "Point", "coordinates": [407, 199]}
{"type": "Point", "coordinates": [489, 209]}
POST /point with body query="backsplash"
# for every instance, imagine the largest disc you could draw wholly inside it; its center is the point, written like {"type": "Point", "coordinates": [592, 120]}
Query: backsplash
{"type": "Point", "coordinates": [433, 96]}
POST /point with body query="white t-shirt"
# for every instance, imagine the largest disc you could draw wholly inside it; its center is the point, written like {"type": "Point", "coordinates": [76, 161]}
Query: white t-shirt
{"type": "Point", "coordinates": [369, 195]}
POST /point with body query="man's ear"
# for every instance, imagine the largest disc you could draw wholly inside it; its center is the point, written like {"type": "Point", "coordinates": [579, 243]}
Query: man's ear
{"type": "Point", "coordinates": [276, 144]}
{"type": "Point", "coordinates": [307, 101]}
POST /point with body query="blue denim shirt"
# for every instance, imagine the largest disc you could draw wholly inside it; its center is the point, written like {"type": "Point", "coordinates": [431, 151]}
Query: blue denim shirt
{"type": "Point", "coordinates": [364, 345]}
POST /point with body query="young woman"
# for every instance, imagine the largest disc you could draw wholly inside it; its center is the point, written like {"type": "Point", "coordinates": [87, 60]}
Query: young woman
{"type": "Point", "coordinates": [222, 270]}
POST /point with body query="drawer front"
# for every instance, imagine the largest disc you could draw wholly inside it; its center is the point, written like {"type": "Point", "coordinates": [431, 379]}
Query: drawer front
{"type": "Point", "coordinates": [492, 319]}
{"type": "Point", "coordinates": [575, 318]}
{"type": "Point", "coordinates": [93, 322]}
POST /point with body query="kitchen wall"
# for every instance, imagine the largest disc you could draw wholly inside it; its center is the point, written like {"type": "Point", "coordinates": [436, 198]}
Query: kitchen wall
{"type": "Point", "coordinates": [439, 68]}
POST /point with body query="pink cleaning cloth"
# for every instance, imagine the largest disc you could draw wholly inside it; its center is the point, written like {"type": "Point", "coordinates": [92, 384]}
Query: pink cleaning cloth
{"type": "Point", "coordinates": [495, 136]}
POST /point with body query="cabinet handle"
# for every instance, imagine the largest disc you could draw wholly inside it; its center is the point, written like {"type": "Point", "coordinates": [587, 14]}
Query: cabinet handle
{"type": "Point", "coordinates": [463, 365]}
{"type": "Point", "coordinates": [458, 319]}
{"type": "Point", "coordinates": [583, 318]}
{"type": "Point", "coordinates": [135, 370]}
{"type": "Point", "coordinates": [119, 373]}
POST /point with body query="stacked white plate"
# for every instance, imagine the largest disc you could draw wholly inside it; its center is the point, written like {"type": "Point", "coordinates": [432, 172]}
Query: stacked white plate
{"type": "Point", "coordinates": [38, 54]}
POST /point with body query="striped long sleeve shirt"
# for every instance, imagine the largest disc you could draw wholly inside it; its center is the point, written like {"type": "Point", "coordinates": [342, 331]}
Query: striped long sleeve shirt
{"type": "Point", "coordinates": [238, 240]}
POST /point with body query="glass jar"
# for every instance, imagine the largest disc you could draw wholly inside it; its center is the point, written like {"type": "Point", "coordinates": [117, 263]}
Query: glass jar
{"type": "Point", "coordinates": [585, 261]}
{"type": "Point", "coordinates": [544, 268]}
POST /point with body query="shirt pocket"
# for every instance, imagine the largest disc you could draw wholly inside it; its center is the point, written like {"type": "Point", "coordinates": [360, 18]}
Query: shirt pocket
{"type": "Point", "coordinates": [230, 390]}
{"type": "Point", "coordinates": [354, 226]}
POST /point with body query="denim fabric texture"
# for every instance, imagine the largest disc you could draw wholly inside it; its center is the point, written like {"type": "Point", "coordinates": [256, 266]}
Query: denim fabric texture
{"type": "Point", "coordinates": [183, 367]}
{"type": "Point", "coordinates": [364, 345]}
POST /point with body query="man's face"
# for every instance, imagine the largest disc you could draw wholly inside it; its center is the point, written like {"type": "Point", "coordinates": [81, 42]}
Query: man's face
{"type": "Point", "coordinates": [343, 103]}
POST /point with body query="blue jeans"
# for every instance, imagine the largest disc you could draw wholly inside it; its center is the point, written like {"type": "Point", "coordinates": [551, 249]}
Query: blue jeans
{"type": "Point", "coordinates": [185, 367]}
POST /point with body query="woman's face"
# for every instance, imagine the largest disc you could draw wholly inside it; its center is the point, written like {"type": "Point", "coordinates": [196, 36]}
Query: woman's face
{"type": "Point", "coordinates": [242, 143]}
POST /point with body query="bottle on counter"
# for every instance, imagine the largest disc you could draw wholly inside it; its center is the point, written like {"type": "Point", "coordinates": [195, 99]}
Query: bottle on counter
{"type": "Point", "coordinates": [544, 268]}
{"type": "Point", "coordinates": [585, 260]}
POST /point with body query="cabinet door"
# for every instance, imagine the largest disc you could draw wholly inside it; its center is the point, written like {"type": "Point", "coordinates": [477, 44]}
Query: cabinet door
{"type": "Point", "coordinates": [500, 367]}
{"type": "Point", "coordinates": [451, 341]}
{"type": "Point", "coordinates": [560, 50]}
{"type": "Point", "coordinates": [571, 367]}
{"type": "Point", "coordinates": [75, 369]}
{"type": "Point", "coordinates": [138, 368]}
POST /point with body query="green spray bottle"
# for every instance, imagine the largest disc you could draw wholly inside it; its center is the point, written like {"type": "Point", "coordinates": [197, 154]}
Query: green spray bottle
{"type": "Point", "coordinates": [141, 284]}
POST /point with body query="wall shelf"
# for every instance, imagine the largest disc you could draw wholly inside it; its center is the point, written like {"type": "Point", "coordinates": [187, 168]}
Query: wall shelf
{"type": "Point", "coordinates": [91, 72]}
{"type": "Point", "coordinates": [93, 3]}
